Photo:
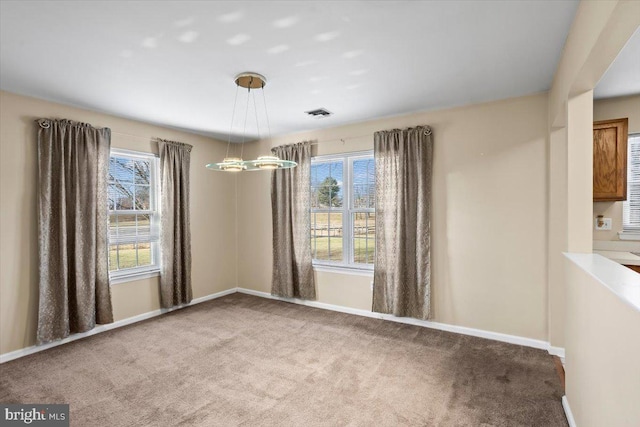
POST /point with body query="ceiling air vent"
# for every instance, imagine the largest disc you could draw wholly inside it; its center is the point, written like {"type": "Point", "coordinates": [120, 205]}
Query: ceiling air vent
{"type": "Point", "coordinates": [319, 113]}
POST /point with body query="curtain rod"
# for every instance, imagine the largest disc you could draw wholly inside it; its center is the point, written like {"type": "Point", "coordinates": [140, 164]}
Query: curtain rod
{"type": "Point", "coordinates": [155, 138]}
{"type": "Point", "coordinates": [343, 140]}
{"type": "Point", "coordinates": [131, 135]}
{"type": "Point", "coordinates": [146, 138]}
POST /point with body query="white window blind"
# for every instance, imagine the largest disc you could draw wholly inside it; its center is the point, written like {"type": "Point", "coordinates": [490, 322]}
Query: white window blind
{"type": "Point", "coordinates": [631, 207]}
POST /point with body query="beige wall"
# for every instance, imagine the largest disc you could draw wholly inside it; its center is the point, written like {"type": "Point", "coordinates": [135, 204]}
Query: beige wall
{"type": "Point", "coordinates": [606, 109]}
{"type": "Point", "coordinates": [580, 172]}
{"type": "Point", "coordinates": [558, 221]}
{"type": "Point", "coordinates": [489, 216]}
{"type": "Point", "coordinates": [602, 353]}
{"type": "Point", "coordinates": [594, 327]}
{"type": "Point", "coordinates": [598, 33]}
{"type": "Point", "coordinates": [212, 220]}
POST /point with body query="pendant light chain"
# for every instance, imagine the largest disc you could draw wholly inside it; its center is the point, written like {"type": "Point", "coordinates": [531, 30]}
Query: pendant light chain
{"type": "Point", "coordinates": [255, 110]}
{"type": "Point", "coordinates": [246, 115]}
{"type": "Point", "coordinates": [266, 112]}
{"type": "Point", "coordinates": [233, 115]}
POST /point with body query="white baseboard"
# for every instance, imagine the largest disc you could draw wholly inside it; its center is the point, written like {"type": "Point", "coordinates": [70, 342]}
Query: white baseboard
{"type": "Point", "coordinates": [512, 339]}
{"type": "Point", "coordinates": [567, 412]}
{"type": "Point", "coordinates": [556, 351]}
{"type": "Point", "coordinates": [102, 328]}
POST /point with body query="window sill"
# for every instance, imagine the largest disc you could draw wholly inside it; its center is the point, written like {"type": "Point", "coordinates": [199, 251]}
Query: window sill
{"type": "Point", "coordinates": [343, 269]}
{"type": "Point", "coordinates": [130, 277]}
{"type": "Point", "coordinates": [628, 235]}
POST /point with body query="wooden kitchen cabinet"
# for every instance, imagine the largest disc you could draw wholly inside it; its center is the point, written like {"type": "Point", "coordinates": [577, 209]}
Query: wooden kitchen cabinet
{"type": "Point", "coordinates": [610, 160]}
{"type": "Point", "coordinates": [635, 268]}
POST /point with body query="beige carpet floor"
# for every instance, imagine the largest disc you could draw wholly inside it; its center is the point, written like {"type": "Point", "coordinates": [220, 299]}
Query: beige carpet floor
{"type": "Point", "coordinates": [247, 361]}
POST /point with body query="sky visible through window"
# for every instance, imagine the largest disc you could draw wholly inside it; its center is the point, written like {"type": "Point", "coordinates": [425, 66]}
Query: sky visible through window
{"type": "Point", "coordinates": [326, 185]}
{"type": "Point", "coordinates": [329, 174]}
{"type": "Point", "coordinates": [364, 183]}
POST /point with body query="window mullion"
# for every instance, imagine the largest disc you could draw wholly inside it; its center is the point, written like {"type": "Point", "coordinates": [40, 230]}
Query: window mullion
{"type": "Point", "coordinates": [135, 245]}
{"type": "Point", "coordinates": [315, 236]}
{"type": "Point", "coordinates": [118, 244]}
{"type": "Point", "coordinates": [366, 238]}
{"type": "Point", "coordinates": [347, 230]}
{"type": "Point", "coordinates": [131, 212]}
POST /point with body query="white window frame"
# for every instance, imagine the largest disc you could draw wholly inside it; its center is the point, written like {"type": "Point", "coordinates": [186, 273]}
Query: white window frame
{"type": "Point", "coordinates": [630, 231]}
{"type": "Point", "coordinates": [137, 273]}
{"type": "Point", "coordinates": [347, 210]}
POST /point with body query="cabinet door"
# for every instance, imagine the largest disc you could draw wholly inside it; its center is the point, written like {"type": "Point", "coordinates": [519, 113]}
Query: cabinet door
{"type": "Point", "coordinates": [610, 160]}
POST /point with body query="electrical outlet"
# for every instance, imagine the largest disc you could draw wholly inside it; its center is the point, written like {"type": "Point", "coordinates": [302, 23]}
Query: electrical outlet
{"type": "Point", "coordinates": [603, 224]}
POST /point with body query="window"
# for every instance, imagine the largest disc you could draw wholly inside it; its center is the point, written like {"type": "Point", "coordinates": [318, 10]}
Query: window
{"type": "Point", "coordinates": [631, 207]}
{"type": "Point", "coordinates": [343, 210]}
{"type": "Point", "coordinates": [133, 214]}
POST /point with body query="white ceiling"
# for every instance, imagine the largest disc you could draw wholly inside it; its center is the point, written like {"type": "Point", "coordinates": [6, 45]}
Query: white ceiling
{"type": "Point", "coordinates": [623, 76]}
{"type": "Point", "coordinates": [173, 63]}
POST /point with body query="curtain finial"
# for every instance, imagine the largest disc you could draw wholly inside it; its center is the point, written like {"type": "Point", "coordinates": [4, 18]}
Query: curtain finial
{"type": "Point", "coordinates": [44, 123]}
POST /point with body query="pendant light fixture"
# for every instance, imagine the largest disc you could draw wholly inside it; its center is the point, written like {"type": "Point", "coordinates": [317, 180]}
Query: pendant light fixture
{"type": "Point", "coordinates": [250, 81]}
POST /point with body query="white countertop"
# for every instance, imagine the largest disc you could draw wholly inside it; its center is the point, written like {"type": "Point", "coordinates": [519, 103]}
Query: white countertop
{"type": "Point", "coordinates": [625, 258]}
{"type": "Point", "coordinates": [617, 245]}
{"type": "Point", "coordinates": [618, 251]}
{"type": "Point", "coordinates": [622, 281]}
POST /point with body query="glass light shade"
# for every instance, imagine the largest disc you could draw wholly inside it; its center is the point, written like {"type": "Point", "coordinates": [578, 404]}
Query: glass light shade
{"type": "Point", "coordinates": [229, 164]}
{"type": "Point", "coordinates": [271, 163]}
{"type": "Point", "coordinates": [267, 162]}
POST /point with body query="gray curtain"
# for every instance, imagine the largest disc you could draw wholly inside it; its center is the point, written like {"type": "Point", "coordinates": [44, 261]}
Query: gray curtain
{"type": "Point", "coordinates": [175, 279]}
{"type": "Point", "coordinates": [402, 271]}
{"type": "Point", "coordinates": [73, 166]}
{"type": "Point", "coordinates": [290, 206]}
